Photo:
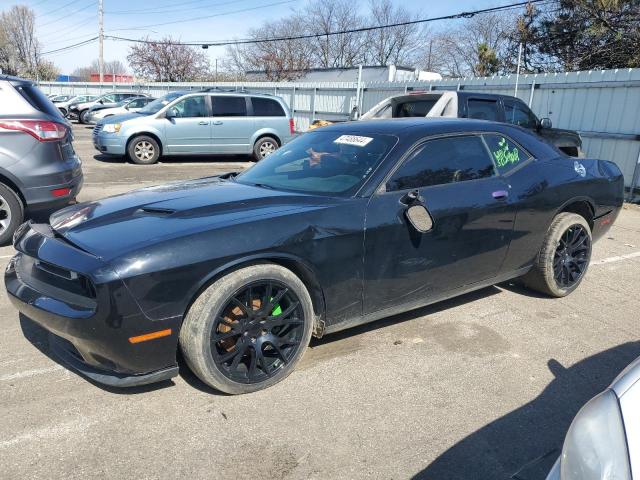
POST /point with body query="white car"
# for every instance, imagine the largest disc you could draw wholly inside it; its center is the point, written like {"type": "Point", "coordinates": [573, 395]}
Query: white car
{"type": "Point", "coordinates": [603, 441]}
{"type": "Point", "coordinates": [129, 105]}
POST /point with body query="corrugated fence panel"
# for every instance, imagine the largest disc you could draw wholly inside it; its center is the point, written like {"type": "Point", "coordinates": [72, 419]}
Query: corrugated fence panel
{"type": "Point", "coordinates": [604, 106]}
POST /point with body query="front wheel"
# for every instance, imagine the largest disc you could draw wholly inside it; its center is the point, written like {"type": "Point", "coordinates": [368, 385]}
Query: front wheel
{"type": "Point", "coordinates": [249, 329]}
{"type": "Point", "coordinates": [143, 150]}
{"type": "Point", "coordinates": [83, 117]}
{"type": "Point", "coordinates": [264, 147]}
{"type": "Point", "coordinates": [564, 258]}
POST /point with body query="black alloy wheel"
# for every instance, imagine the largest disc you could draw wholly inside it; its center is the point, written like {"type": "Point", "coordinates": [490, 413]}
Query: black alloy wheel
{"type": "Point", "coordinates": [571, 256]}
{"type": "Point", "coordinates": [258, 332]}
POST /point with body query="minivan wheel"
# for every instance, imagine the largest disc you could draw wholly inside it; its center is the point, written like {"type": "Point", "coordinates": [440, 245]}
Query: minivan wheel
{"type": "Point", "coordinates": [249, 329]}
{"type": "Point", "coordinates": [143, 150]}
{"type": "Point", "coordinates": [264, 147]}
{"type": "Point", "coordinates": [83, 117]}
{"type": "Point", "coordinates": [11, 214]}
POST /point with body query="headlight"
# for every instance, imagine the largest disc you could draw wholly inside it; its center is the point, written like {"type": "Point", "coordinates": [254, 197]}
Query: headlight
{"type": "Point", "coordinates": [112, 127]}
{"type": "Point", "coordinates": [595, 446]}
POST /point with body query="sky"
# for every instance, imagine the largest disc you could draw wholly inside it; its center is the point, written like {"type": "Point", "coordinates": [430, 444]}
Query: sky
{"type": "Point", "coordinates": [60, 23]}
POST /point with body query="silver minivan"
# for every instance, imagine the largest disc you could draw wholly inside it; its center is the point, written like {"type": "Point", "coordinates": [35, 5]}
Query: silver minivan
{"type": "Point", "coordinates": [199, 122]}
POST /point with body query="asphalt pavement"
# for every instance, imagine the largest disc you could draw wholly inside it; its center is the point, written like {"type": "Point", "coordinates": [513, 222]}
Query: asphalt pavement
{"type": "Point", "coordinates": [483, 386]}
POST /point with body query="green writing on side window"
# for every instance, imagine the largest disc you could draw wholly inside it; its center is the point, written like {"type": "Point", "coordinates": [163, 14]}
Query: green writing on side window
{"type": "Point", "coordinates": [504, 156]}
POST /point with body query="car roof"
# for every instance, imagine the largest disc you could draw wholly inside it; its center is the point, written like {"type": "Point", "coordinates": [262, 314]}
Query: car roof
{"type": "Point", "coordinates": [418, 125]}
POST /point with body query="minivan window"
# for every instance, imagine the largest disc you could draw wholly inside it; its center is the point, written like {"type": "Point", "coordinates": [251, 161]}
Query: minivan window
{"type": "Point", "coordinates": [224, 106]}
{"type": "Point", "coordinates": [482, 109]}
{"type": "Point", "coordinates": [38, 100]}
{"type": "Point", "coordinates": [191, 107]}
{"type": "Point", "coordinates": [265, 107]}
{"type": "Point", "coordinates": [159, 103]}
{"type": "Point", "coordinates": [442, 161]}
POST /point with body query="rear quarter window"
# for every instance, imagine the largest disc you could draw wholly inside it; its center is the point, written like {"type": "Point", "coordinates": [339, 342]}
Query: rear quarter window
{"type": "Point", "coordinates": [265, 107]}
{"type": "Point", "coordinates": [38, 100]}
{"type": "Point", "coordinates": [506, 154]}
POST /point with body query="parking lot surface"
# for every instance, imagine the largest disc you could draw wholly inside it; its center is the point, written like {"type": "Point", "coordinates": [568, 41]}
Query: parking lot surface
{"type": "Point", "coordinates": [483, 386]}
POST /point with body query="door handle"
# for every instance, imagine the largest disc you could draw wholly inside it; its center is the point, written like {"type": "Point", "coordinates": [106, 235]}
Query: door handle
{"type": "Point", "coordinates": [203, 123]}
{"type": "Point", "coordinates": [500, 195]}
{"type": "Point", "coordinates": [217, 122]}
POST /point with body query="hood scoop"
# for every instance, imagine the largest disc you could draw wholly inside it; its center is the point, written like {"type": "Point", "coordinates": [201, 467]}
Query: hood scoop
{"type": "Point", "coordinates": [155, 211]}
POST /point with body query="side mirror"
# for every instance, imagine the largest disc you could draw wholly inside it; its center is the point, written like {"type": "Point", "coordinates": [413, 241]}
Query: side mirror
{"type": "Point", "coordinates": [100, 101]}
{"type": "Point", "coordinates": [171, 113]}
{"type": "Point", "coordinates": [545, 122]}
{"type": "Point", "coordinates": [354, 113]}
{"type": "Point", "coordinates": [419, 218]}
{"type": "Point", "coordinates": [126, 107]}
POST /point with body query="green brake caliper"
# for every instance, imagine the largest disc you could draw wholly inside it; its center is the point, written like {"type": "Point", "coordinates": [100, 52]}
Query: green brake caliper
{"type": "Point", "coordinates": [276, 310]}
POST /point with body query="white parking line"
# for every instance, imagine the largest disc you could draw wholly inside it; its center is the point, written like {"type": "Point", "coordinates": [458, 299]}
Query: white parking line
{"type": "Point", "coordinates": [618, 258]}
{"type": "Point", "coordinates": [30, 373]}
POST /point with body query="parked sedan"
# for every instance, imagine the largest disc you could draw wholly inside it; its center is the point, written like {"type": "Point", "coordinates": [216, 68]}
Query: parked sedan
{"type": "Point", "coordinates": [64, 106]}
{"type": "Point", "coordinates": [107, 100]}
{"type": "Point", "coordinates": [341, 226]}
{"type": "Point", "coordinates": [603, 441]}
{"type": "Point", "coordinates": [61, 98]}
{"type": "Point", "coordinates": [131, 105]}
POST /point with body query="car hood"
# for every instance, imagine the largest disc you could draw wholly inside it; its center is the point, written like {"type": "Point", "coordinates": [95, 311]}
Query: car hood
{"type": "Point", "coordinates": [119, 118]}
{"type": "Point", "coordinates": [117, 225]}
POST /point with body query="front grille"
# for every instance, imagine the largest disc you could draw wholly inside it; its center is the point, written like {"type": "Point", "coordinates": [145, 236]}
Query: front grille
{"type": "Point", "coordinates": [97, 128]}
{"type": "Point", "coordinates": [56, 282]}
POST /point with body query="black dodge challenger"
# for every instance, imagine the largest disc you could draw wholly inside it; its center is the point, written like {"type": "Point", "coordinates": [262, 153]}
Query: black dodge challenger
{"type": "Point", "coordinates": [342, 226]}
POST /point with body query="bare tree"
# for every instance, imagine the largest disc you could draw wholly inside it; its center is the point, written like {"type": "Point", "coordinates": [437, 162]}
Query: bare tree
{"type": "Point", "coordinates": [329, 16]}
{"type": "Point", "coordinates": [19, 47]}
{"type": "Point", "coordinates": [466, 49]}
{"type": "Point", "coordinates": [166, 60]}
{"type": "Point", "coordinates": [113, 66]}
{"type": "Point", "coordinates": [279, 60]}
{"type": "Point", "coordinates": [395, 45]}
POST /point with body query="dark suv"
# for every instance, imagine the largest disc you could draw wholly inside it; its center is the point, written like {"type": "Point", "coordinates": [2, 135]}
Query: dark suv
{"type": "Point", "coordinates": [39, 169]}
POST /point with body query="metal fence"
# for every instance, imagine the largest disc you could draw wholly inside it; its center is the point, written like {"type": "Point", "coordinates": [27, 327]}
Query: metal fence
{"type": "Point", "coordinates": [604, 106]}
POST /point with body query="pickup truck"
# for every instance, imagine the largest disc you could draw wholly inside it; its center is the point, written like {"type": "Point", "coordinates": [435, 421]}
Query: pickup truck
{"type": "Point", "coordinates": [483, 106]}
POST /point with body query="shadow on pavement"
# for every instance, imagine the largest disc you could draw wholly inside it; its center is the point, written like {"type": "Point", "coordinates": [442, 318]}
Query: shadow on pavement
{"type": "Point", "coordinates": [177, 159]}
{"type": "Point", "coordinates": [524, 443]}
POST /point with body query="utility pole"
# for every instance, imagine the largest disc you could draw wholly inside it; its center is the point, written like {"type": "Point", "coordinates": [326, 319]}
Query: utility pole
{"type": "Point", "coordinates": [101, 35]}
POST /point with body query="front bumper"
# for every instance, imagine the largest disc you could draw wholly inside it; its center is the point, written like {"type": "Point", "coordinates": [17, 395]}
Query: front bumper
{"type": "Point", "coordinates": [92, 325]}
{"type": "Point", "coordinates": [109, 143]}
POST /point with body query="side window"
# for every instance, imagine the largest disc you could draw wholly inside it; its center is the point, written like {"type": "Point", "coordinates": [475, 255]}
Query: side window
{"type": "Point", "coordinates": [441, 161]}
{"type": "Point", "coordinates": [137, 103]}
{"type": "Point", "coordinates": [191, 107]}
{"type": "Point", "coordinates": [110, 99]}
{"type": "Point", "coordinates": [519, 114]}
{"type": "Point", "coordinates": [384, 112]}
{"type": "Point", "coordinates": [224, 106]}
{"type": "Point", "coordinates": [506, 154]}
{"type": "Point", "coordinates": [264, 107]}
{"type": "Point", "coordinates": [482, 109]}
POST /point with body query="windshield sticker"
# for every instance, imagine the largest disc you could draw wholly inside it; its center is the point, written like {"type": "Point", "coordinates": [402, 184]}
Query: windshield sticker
{"type": "Point", "coordinates": [504, 156]}
{"type": "Point", "coordinates": [353, 140]}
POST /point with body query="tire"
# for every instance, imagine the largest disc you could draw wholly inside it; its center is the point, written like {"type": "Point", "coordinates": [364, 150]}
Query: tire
{"type": "Point", "coordinates": [557, 280]}
{"type": "Point", "coordinates": [143, 150]}
{"type": "Point", "coordinates": [11, 214]}
{"type": "Point", "coordinates": [63, 111]}
{"type": "Point", "coordinates": [264, 147]}
{"type": "Point", "coordinates": [82, 117]}
{"type": "Point", "coordinates": [210, 312]}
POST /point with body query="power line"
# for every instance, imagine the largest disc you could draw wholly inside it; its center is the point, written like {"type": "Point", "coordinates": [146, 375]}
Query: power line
{"type": "Point", "coordinates": [68, 15]}
{"type": "Point", "coordinates": [195, 19]}
{"type": "Point", "coordinates": [340, 32]}
{"type": "Point", "coordinates": [170, 8]}
{"type": "Point", "coordinates": [71, 47]}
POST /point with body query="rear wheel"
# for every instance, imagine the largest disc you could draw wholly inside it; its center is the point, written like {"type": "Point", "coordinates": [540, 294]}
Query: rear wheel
{"type": "Point", "coordinates": [264, 147]}
{"type": "Point", "coordinates": [143, 150]}
{"type": "Point", "coordinates": [249, 329]}
{"type": "Point", "coordinates": [11, 213]}
{"type": "Point", "coordinates": [564, 258]}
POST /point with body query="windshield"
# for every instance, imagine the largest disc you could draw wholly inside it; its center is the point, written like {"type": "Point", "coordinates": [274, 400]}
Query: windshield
{"type": "Point", "coordinates": [159, 103]}
{"type": "Point", "coordinates": [321, 162]}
